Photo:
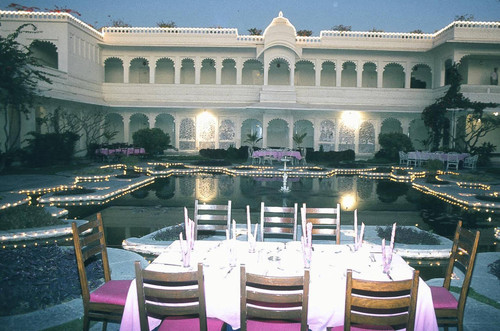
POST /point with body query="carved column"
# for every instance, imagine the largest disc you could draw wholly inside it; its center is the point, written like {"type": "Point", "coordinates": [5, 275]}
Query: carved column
{"type": "Point", "coordinates": [152, 70]}
{"type": "Point", "coordinates": [177, 69]}
{"type": "Point", "coordinates": [380, 76]}
{"type": "Point", "coordinates": [407, 72]}
{"type": "Point", "coordinates": [359, 74]}
{"type": "Point", "coordinates": [317, 73]}
{"type": "Point", "coordinates": [338, 76]}
{"type": "Point", "coordinates": [197, 71]}
{"type": "Point", "coordinates": [126, 127]}
{"type": "Point", "coordinates": [239, 71]}
{"type": "Point", "coordinates": [266, 74]}
{"type": "Point", "coordinates": [126, 69]}
{"type": "Point", "coordinates": [218, 72]}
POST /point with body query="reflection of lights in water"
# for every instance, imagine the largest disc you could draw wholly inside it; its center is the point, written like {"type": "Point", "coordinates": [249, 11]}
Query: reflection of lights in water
{"type": "Point", "coordinates": [351, 119]}
{"type": "Point", "coordinates": [206, 189]}
{"type": "Point", "coordinates": [348, 201]}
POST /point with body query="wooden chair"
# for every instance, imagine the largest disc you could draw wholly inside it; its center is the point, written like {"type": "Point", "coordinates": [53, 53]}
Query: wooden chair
{"type": "Point", "coordinates": [105, 303]}
{"type": "Point", "coordinates": [278, 221]}
{"type": "Point", "coordinates": [273, 303]}
{"type": "Point", "coordinates": [380, 305]}
{"type": "Point", "coordinates": [450, 311]}
{"type": "Point", "coordinates": [178, 299]}
{"type": "Point", "coordinates": [326, 222]}
{"type": "Point", "coordinates": [211, 218]}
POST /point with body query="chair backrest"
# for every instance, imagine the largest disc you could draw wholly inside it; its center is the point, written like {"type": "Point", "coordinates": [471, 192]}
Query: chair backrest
{"type": "Point", "coordinates": [326, 222]}
{"type": "Point", "coordinates": [90, 243]}
{"type": "Point", "coordinates": [384, 303]}
{"type": "Point", "coordinates": [211, 218]}
{"type": "Point", "coordinates": [463, 256]}
{"type": "Point", "coordinates": [274, 298]}
{"type": "Point", "coordinates": [278, 221]}
{"type": "Point", "coordinates": [161, 295]}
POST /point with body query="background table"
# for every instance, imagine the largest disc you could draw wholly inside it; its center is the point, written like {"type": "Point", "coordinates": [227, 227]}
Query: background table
{"type": "Point", "coordinates": [277, 154]}
{"type": "Point", "coordinates": [327, 284]}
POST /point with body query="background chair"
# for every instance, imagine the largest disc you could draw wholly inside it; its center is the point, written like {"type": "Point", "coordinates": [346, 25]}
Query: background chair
{"type": "Point", "coordinates": [211, 218]}
{"type": "Point", "coordinates": [278, 221]}
{"type": "Point", "coordinates": [273, 303]}
{"type": "Point", "coordinates": [470, 162]}
{"type": "Point", "coordinates": [303, 154]}
{"type": "Point", "coordinates": [254, 159]}
{"type": "Point", "coordinates": [452, 161]}
{"type": "Point", "coordinates": [176, 298]}
{"type": "Point", "coordinates": [403, 158]}
{"type": "Point", "coordinates": [106, 302]}
{"type": "Point", "coordinates": [376, 305]}
{"type": "Point", "coordinates": [450, 311]}
{"type": "Point", "coordinates": [326, 222]}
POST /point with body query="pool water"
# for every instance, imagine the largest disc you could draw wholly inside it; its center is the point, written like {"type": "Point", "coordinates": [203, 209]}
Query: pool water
{"type": "Point", "coordinates": [379, 202]}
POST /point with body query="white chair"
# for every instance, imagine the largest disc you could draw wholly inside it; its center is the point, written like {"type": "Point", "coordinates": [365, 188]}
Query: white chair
{"type": "Point", "coordinates": [254, 158]}
{"type": "Point", "coordinates": [452, 161]}
{"type": "Point", "coordinates": [470, 162]}
{"type": "Point", "coordinates": [412, 159]}
{"type": "Point", "coordinates": [403, 157]}
{"type": "Point", "coordinates": [303, 153]}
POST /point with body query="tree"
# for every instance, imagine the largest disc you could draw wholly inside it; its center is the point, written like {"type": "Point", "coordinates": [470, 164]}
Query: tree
{"type": "Point", "coordinates": [342, 27]}
{"type": "Point", "coordinates": [418, 31]}
{"type": "Point", "coordinates": [304, 33]}
{"type": "Point", "coordinates": [90, 124]}
{"type": "Point", "coordinates": [376, 30]}
{"type": "Point", "coordinates": [464, 17]}
{"type": "Point", "coordinates": [20, 75]}
{"type": "Point", "coordinates": [299, 138]}
{"type": "Point", "coordinates": [253, 139]}
{"type": "Point", "coordinates": [153, 140]}
{"type": "Point", "coordinates": [435, 116]}
{"type": "Point", "coordinates": [391, 144]}
{"type": "Point", "coordinates": [163, 24]}
{"type": "Point", "coordinates": [119, 23]}
{"type": "Point", "coordinates": [255, 32]}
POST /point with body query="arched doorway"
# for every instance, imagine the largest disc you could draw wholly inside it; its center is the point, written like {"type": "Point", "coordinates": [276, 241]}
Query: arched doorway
{"type": "Point", "coordinates": [278, 133]}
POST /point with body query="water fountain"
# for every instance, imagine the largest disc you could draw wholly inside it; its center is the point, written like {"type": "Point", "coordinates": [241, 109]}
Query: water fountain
{"type": "Point", "coordinates": [284, 188]}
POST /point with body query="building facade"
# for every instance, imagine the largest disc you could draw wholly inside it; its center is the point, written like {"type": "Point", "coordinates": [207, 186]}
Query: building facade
{"type": "Point", "coordinates": [210, 87]}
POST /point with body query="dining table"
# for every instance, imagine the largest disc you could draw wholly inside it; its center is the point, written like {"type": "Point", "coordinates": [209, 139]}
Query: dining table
{"type": "Point", "coordinates": [328, 267]}
{"type": "Point", "coordinates": [277, 154]}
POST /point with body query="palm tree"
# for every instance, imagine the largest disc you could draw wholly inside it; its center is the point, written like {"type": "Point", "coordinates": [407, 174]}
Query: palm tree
{"type": "Point", "coordinates": [299, 138]}
{"type": "Point", "coordinates": [253, 139]}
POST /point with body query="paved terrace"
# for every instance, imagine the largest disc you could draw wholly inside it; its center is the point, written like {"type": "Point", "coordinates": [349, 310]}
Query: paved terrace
{"type": "Point", "coordinates": [478, 315]}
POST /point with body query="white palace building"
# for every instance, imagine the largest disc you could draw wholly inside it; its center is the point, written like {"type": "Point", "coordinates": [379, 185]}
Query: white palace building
{"type": "Point", "coordinates": [210, 87]}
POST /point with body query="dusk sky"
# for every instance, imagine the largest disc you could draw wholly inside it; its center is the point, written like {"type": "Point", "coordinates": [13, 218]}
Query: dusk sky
{"type": "Point", "coordinates": [362, 15]}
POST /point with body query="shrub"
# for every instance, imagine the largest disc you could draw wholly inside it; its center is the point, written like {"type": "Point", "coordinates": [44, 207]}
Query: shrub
{"type": "Point", "coordinates": [433, 166]}
{"type": "Point", "coordinates": [153, 140]}
{"type": "Point", "coordinates": [494, 268]}
{"type": "Point", "coordinates": [484, 151]}
{"type": "Point", "coordinates": [26, 216]}
{"type": "Point", "coordinates": [50, 148]}
{"type": "Point", "coordinates": [407, 235]}
{"type": "Point", "coordinates": [391, 144]}
{"type": "Point", "coordinates": [330, 157]}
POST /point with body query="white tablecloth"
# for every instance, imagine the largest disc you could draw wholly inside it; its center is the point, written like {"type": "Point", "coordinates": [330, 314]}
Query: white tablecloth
{"type": "Point", "coordinates": [277, 154]}
{"type": "Point", "coordinates": [327, 285]}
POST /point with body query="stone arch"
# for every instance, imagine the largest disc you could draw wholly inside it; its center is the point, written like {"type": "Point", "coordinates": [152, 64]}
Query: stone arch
{"type": "Point", "coordinates": [166, 123]}
{"type": "Point", "coordinates": [253, 72]}
{"type": "Point", "coordinates": [391, 125]}
{"type": "Point", "coordinates": [346, 137]}
{"type": "Point", "coordinates": [304, 73]}
{"type": "Point", "coordinates": [207, 71]}
{"type": "Point", "coordinates": [349, 76]}
{"type": "Point", "coordinates": [278, 133]}
{"type": "Point", "coordinates": [421, 77]}
{"type": "Point", "coordinates": [139, 71]}
{"type": "Point", "coordinates": [301, 127]}
{"type": "Point", "coordinates": [138, 121]}
{"type": "Point", "coordinates": [228, 72]}
{"type": "Point", "coordinates": [115, 122]}
{"type": "Point", "coordinates": [366, 138]}
{"type": "Point", "coordinates": [393, 76]}
{"type": "Point", "coordinates": [327, 135]}
{"type": "Point", "coordinates": [45, 53]}
{"type": "Point", "coordinates": [187, 134]}
{"type": "Point", "coordinates": [328, 74]}
{"type": "Point", "coordinates": [369, 76]}
{"type": "Point", "coordinates": [187, 71]}
{"type": "Point", "coordinates": [418, 133]}
{"type": "Point", "coordinates": [113, 70]}
{"type": "Point", "coordinates": [226, 133]}
{"type": "Point", "coordinates": [279, 72]}
{"type": "Point", "coordinates": [165, 71]}
{"type": "Point", "coordinates": [251, 126]}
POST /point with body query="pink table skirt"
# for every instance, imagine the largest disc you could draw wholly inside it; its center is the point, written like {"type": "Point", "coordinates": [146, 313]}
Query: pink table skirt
{"type": "Point", "coordinates": [277, 154]}
{"type": "Point", "coordinates": [327, 284]}
{"type": "Point", "coordinates": [120, 151]}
